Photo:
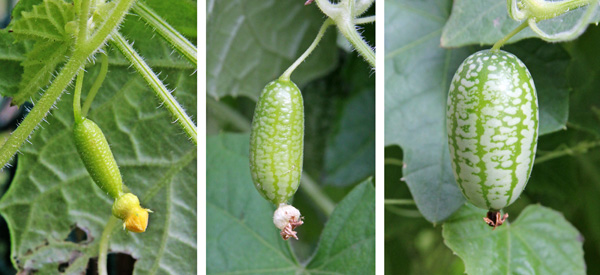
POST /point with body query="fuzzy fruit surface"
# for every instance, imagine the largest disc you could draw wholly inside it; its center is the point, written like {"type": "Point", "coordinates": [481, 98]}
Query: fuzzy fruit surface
{"type": "Point", "coordinates": [492, 124]}
{"type": "Point", "coordinates": [277, 141]}
{"type": "Point", "coordinates": [97, 157]}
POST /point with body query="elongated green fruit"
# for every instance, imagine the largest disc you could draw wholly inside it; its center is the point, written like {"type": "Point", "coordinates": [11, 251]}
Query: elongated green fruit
{"type": "Point", "coordinates": [277, 141]}
{"type": "Point", "coordinates": [492, 124]}
{"type": "Point", "coordinates": [97, 157]}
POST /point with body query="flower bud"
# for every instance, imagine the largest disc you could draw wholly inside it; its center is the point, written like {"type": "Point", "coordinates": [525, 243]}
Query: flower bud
{"type": "Point", "coordinates": [127, 208]}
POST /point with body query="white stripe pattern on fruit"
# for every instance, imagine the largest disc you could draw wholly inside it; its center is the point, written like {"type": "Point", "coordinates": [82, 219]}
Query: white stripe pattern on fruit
{"type": "Point", "coordinates": [492, 124]}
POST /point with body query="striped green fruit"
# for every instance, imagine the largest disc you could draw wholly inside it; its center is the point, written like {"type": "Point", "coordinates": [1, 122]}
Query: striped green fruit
{"type": "Point", "coordinates": [492, 123]}
{"type": "Point", "coordinates": [277, 141]}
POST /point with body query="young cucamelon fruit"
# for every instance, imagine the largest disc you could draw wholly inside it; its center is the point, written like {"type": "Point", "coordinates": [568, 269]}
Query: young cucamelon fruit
{"type": "Point", "coordinates": [276, 150]}
{"type": "Point", "coordinates": [102, 167]}
{"type": "Point", "coordinates": [492, 124]}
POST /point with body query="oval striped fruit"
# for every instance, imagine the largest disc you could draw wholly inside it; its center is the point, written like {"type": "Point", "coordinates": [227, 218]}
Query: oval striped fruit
{"type": "Point", "coordinates": [97, 157]}
{"type": "Point", "coordinates": [277, 141]}
{"type": "Point", "coordinates": [492, 124]}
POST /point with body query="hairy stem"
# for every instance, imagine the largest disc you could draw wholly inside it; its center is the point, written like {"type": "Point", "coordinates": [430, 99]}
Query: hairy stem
{"type": "Point", "coordinates": [96, 86]}
{"type": "Point", "coordinates": [365, 20]}
{"type": "Point", "coordinates": [501, 42]}
{"type": "Point", "coordinates": [343, 14]}
{"type": "Point", "coordinates": [60, 83]}
{"type": "Point", "coordinates": [157, 86]}
{"type": "Point", "coordinates": [84, 11]}
{"type": "Point", "coordinates": [178, 41]}
{"type": "Point", "coordinates": [361, 46]}
{"type": "Point", "coordinates": [286, 75]}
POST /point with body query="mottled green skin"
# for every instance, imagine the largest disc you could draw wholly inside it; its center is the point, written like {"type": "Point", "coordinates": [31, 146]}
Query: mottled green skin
{"type": "Point", "coordinates": [492, 124]}
{"type": "Point", "coordinates": [97, 157]}
{"type": "Point", "coordinates": [277, 141]}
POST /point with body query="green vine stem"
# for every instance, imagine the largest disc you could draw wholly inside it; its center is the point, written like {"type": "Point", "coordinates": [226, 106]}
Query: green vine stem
{"type": "Point", "coordinates": [96, 86]}
{"type": "Point", "coordinates": [59, 84]}
{"type": "Point", "coordinates": [501, 42]}
{"type": "Point", "coordinates": [157, 86]}
{"type": "Point", "coordinates": [179, 42]}
{"type": "Point", "coordinates": [343, 15]}
{"type": "Point", "coordinates": [365, 20]}
{"type": "Point", "coordinates": [84, 11]}
{"type": "Point", "coordinates": [286, 75]}
{"type": "Point", "coordinates": [310, 188]}
{"type": "Point", "coordinates": [406, 213]}
{"type": "Point", "coordinates": [104, 241]}
{"type": "Point", "coordinates": [580, 148]}
{"type": "Point", "coordinates": [399, 202]}
{"type": "Point", "coordinates": [393, 161]}
{"type": "Point", "coordinates": [77, 97]}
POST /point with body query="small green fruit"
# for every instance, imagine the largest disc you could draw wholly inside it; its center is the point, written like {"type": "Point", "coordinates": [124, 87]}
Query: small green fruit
{"type": "Point", "coordinates": [492, 123]}
{"type": "Point", "coordinates": [277, 141]}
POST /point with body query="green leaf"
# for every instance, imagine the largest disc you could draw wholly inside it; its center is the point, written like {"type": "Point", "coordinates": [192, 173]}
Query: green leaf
{"type": "Point", "coordinates": [350, 153]}
{"type": "Point", "coordinates": [485, 22]}
{"type": "Point", "coordinates": [11, 56]}
{"type": "Point", "coordinates": [539, 241]}
{"type": "Point", "coordinates": [241, 236]}
{"type": "Point", "coordinates": [347, 243]}
{"type": "Point", "coordinates": [45, 22]}
{"type": "Point", "coordinates": [38, 68]}
{"type": "Point", "coordinates": [583, 76]}
{"type": "Point", "coordinates": [417, 79]}
{"type": "Point", "coordinates": [251, 43]}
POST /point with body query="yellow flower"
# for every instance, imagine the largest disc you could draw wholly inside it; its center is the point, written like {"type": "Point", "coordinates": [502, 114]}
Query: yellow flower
{"type": "Point", "coordinates": [127, 208]}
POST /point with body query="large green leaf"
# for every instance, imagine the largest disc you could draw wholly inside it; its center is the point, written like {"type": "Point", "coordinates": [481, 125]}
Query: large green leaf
{"type": "Point", "coordinates": [350, 154]}
{"type": "Point", "coordinates": [483, 22]}
{"type": "Point", "coordinates": [583, 76]}
{"type": "Point", "coordinates": [418, 71]}
{"type": "Point", "coordinates": [250, 43]}
{"type": "Point", "coordinates": [241, 236]}
{"type": "Point", "coordinates": [46, 24]}
{"type": "Point", "coordinates": [52, 192]}
{"type": "Point", "coordinates": [11, 56]}
{"type": "Point", "coordinates": [539, 241]}
{"type": "Point", "coordinates": [417, 78]}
